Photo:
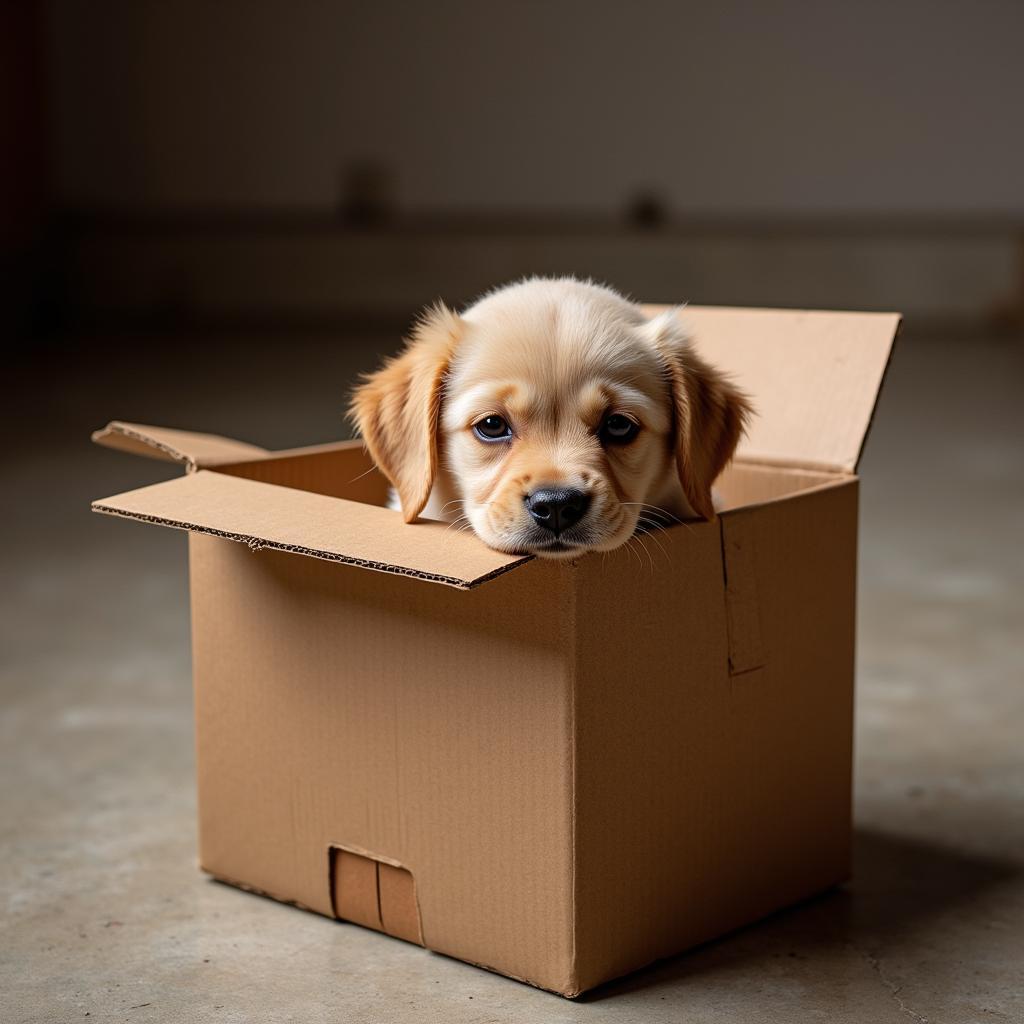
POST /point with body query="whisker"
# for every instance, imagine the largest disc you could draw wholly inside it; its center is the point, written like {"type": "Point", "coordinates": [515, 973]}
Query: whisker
{"type": "Point", "coordinates": [649, 525]}
{"type": "Point", "coordinates": [654, 524]}
{"type": "Point", "coordinates": [654, 508]}
{"type": "Point", "coordinates": [629, 547]}
{"type": "Point", "coordinates": [643, 547]}
{"type": "Point", "coordinates": [460, 522]}
{"type": "Point", "coordinates": [661, 547]}
{"type": "Point", "coordinates": [367, 472]}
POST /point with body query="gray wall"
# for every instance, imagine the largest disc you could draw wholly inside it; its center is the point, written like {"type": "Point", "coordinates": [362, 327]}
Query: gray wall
{"type": "Point", "coordinates": [781, 108]}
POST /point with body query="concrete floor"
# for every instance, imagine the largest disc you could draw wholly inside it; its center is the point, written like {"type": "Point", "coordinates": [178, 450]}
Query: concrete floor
{"type": "Point", "coordinates": [107, 919]}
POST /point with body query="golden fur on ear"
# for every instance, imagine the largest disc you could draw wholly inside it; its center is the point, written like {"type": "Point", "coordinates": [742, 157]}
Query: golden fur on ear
{"type": "Point", "coordinates": [396, 409]}
{"type": "Point", "coordinates": [710, 414]}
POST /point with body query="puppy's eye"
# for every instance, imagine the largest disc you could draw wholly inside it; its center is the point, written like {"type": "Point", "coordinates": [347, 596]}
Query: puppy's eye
{"type": "Point", "coordinates": [618, 429]}
{"type": "Point", "coordinates": [492, 428]}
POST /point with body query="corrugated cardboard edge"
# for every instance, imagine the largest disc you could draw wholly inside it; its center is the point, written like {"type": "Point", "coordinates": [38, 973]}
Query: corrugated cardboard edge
{"type": "Point", "coordinates": [115, 428]}
{"type": "Point", "coordinates": [259, 544]}
{"type": "Point", "coordinates": [155, 443]}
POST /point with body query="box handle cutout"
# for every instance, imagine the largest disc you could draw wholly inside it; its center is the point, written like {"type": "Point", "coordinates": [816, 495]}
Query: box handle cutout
{"type": "Point", "coordinates": [375, 893]}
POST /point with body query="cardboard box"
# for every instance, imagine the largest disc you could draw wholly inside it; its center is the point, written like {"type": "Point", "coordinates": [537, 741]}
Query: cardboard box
{"type": "Point", "coordinates": [558, 771]}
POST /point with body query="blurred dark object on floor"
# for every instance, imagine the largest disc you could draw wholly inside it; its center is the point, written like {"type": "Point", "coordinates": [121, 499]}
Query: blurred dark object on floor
{"type": "Point", "coordinates": [367, 194]}
{"type": "Point", "coordinates": [647, 209]}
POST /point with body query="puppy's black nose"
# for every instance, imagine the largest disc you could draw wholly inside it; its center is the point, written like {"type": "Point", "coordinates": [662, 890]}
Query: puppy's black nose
{"type": "Point", "coordinates": [557, 508]}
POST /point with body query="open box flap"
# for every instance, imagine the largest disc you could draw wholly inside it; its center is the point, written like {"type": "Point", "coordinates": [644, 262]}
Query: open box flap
{"type": "Point", "coordinates": [192, 449]}
{"type": "Point", "coordinates": [268, 516]}
{"type": "Point", "coordinates": [813, 376]}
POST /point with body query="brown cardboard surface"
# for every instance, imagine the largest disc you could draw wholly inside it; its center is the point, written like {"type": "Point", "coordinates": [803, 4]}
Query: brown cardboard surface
{"type": "Point", "coordinates": [742, 593]}
{"type": "Point", "coordinates": [705, 799]}
{"type": "Point", "coordinates": [577, 769]}
{"type": "Point", "coordinates": [328, 503]}
{"type": "Point", "coordinates": [814, 377]}
{"type": "Point", "coordinates": [744, 484]}
{"type": "Point", "coordinates": [172, 445]}
{"type": "Point", "coordinates": [399, 912]}
{"type": "Point", "coordinates": [375, 894]}
{"type": "Point", "coordinates": [265, 515]}
{"type": "Point", "coordinates": [575, 789]}
{"type": "Point", "coordinates": [356, 894]}
{"type": "Point", "coordinates": [340, 470]}
{"type": "Point", "coordinates": [426, 726]}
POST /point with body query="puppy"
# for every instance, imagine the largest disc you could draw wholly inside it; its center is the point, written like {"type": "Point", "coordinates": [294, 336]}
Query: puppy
{"type": "Point", "coordinates": [552, 416]}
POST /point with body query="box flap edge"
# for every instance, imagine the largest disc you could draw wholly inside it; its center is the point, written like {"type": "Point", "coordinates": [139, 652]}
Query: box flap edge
{"type": "Point", "coordinates": [209, 503]}
{"type": "Point", "coordinates": [169, 444]}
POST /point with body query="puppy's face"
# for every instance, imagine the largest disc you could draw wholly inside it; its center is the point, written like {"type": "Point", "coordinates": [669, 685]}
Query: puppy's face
{"type": "Point", "coordinates": [552, 415]}
{"type": "Point", "coordinates": [556, 426]}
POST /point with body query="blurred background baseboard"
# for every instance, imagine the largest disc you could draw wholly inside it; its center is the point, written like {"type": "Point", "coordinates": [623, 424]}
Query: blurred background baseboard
{"type": "Point", "coordinates": [300, 270]}
{"type": "Point", "coordinates": [291, 164]}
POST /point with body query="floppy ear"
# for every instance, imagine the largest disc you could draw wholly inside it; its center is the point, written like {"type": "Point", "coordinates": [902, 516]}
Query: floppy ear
{"type": "Point", "coordinates": [710, 413]}
{"type": "Point", "coordinates": [397, 408]}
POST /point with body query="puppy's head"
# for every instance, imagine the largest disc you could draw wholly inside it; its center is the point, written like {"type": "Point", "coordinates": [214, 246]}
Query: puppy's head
{"type": "Point", "coordinates": [556, 414]}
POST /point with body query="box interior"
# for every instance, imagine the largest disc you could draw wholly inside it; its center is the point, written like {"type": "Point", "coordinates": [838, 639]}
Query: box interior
{"type": "Point", "coordinates": [346, 471]}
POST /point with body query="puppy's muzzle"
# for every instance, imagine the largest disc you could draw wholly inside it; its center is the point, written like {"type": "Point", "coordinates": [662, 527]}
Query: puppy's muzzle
{"type": "Point", "coordinates": [557, 508]}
